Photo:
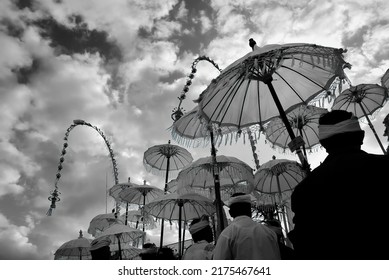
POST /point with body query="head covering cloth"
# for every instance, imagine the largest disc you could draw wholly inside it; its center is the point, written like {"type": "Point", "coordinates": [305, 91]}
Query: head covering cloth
{"type": "Point", "coordinates": [329, 130]}
{"type": "Point", "coordinates": [239, 199]}
{"type": "Point", "coordinates": [198, 226]}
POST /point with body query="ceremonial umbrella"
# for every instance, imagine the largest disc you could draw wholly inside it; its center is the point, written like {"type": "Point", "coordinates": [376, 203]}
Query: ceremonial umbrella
{"type": "Point", "coordinates": [227, 188]}
{"type": "Point", "coordinates": [181, 207]}
{"type": "Point", "coordinates": [258, 87]}
{"type": "Point", "coordinates": [279, 176]}
{"type": "Point", "coordinates": [102, 221]}
{"type": "Point", "coordinates": [303, 119]}
{"type": "Point", "coordinates": [201, 174]}
{"type": "Point", "coordinates": [115, 191]}
{"type": "Point", "coordinates": [140, 195]}
{"type": "Point", "coordinates": [166, 157]}
{"type": "Point", "coordinates": [192, 130]}
{"type": "Point", "coordinates": [119, 234]}
{"type": "Point", "coordinates": [75, 249]}
{"type": "Point", "coordinates": [363, 100]}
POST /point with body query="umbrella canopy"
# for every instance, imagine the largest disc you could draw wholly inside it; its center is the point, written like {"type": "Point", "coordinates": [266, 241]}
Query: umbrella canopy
{"type": "Point", "coordinates": [166, 157]}
{"type": "Point", "coordinates": [140, 194]}
{"type": "Point", "coordinates": [200, 173]}
{"type": "Point", "coordinates": [192, 205]}
{"type": "Point", "coordinates": [258, 86]}
{"type": "Point", "coordinates": [226, 189]}
{"type": "Point", "coordinates": [240, 97]}
{"type": "Point", "coordinates": [120, 234]}
{"type": "Point", "coordinates": [101, 222]}
{"type": "Point", "coordinates": [192, 130]}
{"type": "Point", "coordinates": [363, 100]}
{"type": "Point", "coordinates": [279, 176]}
{"type": "Point", "coordinates": [75, 249]}
{"type": "Point", "coordinates": [181, 207]}
{"type": "Point", "coordinates": [304, 120]}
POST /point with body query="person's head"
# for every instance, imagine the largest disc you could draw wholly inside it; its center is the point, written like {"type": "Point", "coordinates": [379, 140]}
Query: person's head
{"type": "Point", "coordinates": [100, 248]}
{"type": "Point", "coordinates": [201, 230]}
{"type": "Point", "coordinates": [340, 129]}
{"type": "Point", "coordinates": [240, 205]}
{"type": "Point", "coordinates": [149, 251]}
{"type": "Point", "coordinates": [165, 253]}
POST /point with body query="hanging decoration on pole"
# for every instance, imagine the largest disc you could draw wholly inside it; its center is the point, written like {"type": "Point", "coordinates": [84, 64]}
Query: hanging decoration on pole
{"type": "Point", "coordinates": [54, 195]}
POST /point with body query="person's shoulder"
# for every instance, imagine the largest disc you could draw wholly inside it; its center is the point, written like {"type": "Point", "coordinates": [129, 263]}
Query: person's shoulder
{"type": "Point", "coordinates": [209, 247]}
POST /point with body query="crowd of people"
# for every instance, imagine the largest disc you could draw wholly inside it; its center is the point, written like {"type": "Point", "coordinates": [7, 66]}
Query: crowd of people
{"type": "Point", "coordinates": [338, 209]}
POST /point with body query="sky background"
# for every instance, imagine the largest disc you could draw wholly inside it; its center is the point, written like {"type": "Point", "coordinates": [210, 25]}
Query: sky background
{"type": "Point", "coordinates": [120, 65]}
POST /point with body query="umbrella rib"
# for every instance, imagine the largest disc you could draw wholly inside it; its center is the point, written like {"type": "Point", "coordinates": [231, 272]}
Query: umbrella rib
{"type": "Point", "coordinates": [159, 157]}
{"type": "Point", "coordinates": [298, 73]}
{"type": "Point", "coordinates": [231, 96]}
{"type": "Point", "coordinates": [243, 103]}
{"type": "Point", "coordinates": [259, 105]}
{"type": "Point", "coordinates": [225, 96]}
{"type": "Point", "coordinates": [286, 82]}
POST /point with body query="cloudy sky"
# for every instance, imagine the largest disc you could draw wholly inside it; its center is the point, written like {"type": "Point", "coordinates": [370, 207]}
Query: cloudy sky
{"type": "Point", "coordinates": [120, 65]}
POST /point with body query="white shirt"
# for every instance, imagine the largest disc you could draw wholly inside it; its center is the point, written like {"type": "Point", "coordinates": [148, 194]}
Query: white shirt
{"type": "Point", "coordinates": [201, 250]}
{"type": "Point", "coordinates": [245, 239]}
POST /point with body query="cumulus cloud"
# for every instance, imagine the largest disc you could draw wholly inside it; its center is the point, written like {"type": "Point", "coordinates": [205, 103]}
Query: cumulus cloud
{"type": "Point", "coordinates": [120, 67]}
{"type": "Point", "coordinates": [15, 242]}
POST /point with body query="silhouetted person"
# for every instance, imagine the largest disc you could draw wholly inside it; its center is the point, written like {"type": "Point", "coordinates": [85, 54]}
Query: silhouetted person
{"type": "Point", "coordinates": [287, 253]}
{"type": "Point", "coordinates": [341, 204]}
{"type": "Point", "coordinates": [243, 238]}
{"type": "Point", "coordinates": [100, 249]}
{"type": "Point", "coordinates": [202, 235]}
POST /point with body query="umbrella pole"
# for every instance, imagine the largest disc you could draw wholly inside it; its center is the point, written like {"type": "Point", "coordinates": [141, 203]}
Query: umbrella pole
{"type": "Point", "coordinates": [120, 247]}
{"type": "Point", "coordinates": [179, 229]}
{"type": "Point", "coordinates": [80, 250]}
{"type": "Point", "coordinates": [165, 190]}
{"type": "Point", "coordinates": [284, 118]}
{"type": "Point", "coordinates": [126, 214]}
{"type": "Point", "coordinates": [282, 210]}
{"type": "Point", "coordinates": [304, 150]}
{"type": "Point", "coordinates": [143, 218]}
{"type": "Point", "coordinates": [372, 128]}
{"type": "Point", "coordinates": [219, 207]}
{"type": "Point", "coordinates": [183, 239]}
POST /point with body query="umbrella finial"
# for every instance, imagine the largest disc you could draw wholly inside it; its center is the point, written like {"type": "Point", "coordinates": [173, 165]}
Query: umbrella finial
{"type": "Point", "coordinates": [129, 179]}
{"type": "Point", "coordinates": [273, 157]}
{"type": "Point", "coordinates": [80, 234]}
{"type": "Point", "coordinates": [144, 182]}
{"type": "Point", "coordinates": [252, 43]}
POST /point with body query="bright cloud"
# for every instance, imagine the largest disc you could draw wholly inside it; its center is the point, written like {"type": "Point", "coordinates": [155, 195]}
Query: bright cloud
{"type": "Point", "coordinates": [120, 65]}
